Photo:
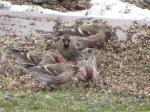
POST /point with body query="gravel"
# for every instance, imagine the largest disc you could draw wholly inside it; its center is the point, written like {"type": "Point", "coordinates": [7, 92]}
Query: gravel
{"type": "Point", "coordinates": [124, 66]}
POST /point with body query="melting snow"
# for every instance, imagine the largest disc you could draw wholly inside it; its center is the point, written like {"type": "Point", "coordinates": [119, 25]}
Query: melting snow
{"type": "Point", "coordinates": [114, 9]}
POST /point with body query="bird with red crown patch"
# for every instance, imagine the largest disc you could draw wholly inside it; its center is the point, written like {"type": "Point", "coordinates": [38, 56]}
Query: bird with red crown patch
{"type": "Point", "coordinates": [87, 70]}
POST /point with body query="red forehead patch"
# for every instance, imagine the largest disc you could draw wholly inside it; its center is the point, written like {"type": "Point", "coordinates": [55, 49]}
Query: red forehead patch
{"type": "Point", "coordinates": [89, 73]}
{"type": "Point", "coordinates": [57, 59]}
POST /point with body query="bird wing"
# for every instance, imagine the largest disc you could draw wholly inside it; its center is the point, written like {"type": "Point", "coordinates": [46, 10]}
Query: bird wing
{"type": "Point", "coordinates": [92, 40]}
{"type": "Point", "coordinates": [56, 69]}
{"type": "Point", "coordinates": [56, 80]}
{"type": "Point", "coordinates": [63, 78]}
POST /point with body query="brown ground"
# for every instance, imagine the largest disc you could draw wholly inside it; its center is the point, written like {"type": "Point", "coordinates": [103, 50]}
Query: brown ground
{"type": "Point", "coordinates": [124, 66]}
{"type": "Point", "coordinates": [66, 5]}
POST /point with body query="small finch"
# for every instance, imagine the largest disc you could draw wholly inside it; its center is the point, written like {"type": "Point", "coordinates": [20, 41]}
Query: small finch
{"type": "Point", "coordinates": [35, 57]}
{"type": "Point", "coordinates": [87, 70]}
{"type": "Point", "coordinates": [52, 74]}
{"type": "Point", "coordinates": [69, 48]}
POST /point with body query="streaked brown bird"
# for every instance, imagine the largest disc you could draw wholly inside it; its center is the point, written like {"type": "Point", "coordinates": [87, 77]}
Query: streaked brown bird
{"type": "Point", "coordinates": [88, 29]}
{"type": "Point", "coordinates": [87, 70]}
{"type": "Point", "coordinates": [89, 35]}
{"type": "Point", "coordinates": [52, 74]}
{"type": "Point", "coordinates": [48, 82]}
{"type": "Point", "coordinates": [35, 57]}
{"type": "Point", "coordinates": [69, 48]}
{"type": "Point", "coordinates": [51, 69]}
{"type": "Point", "coordinates": [99, 40]}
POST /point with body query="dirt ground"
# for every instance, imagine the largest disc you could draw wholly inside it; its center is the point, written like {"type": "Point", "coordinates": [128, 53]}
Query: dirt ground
{"type": "Point", "coordinates": [66, 5]}
{"type": "Point", "coordinates": [124, 66]}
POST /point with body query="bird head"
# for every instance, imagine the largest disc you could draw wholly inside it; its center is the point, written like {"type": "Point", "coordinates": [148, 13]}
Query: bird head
{"type": "Point", "coordinates": [57, 59]}
{"type": "Point", "coordinates": [88, 68]}
{"type": "Point", "coordinates": [66, 41]}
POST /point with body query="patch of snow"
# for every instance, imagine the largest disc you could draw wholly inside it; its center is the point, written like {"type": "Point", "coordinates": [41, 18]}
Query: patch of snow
{"type": "Point", "coordinates": [121, 35]}
{"type": "Point", "coordinates": [5, 5]}
{"type": "Point", "coordinates": [117, 9]}
{"type": "Point", "coordinates": [113, 9]}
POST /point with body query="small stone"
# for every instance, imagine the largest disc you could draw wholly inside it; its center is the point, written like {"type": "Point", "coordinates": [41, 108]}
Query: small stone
{"type": "Point", "coordinates": [80, 7]}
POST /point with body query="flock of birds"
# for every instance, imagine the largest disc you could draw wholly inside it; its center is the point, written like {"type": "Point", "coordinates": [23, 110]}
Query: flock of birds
{"type": "Point", "coordinates": [75, 59]}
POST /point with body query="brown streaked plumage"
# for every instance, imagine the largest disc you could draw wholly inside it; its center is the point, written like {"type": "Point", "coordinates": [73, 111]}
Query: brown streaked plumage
{"type": "Point", "coordinates": [52, 74]}
{"type": "Point", "coordinates": [69, 48]}
{"type": "Point", "coordinates": [86, 30]}
{"type": "Point", "coordinates": [36, 57]}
